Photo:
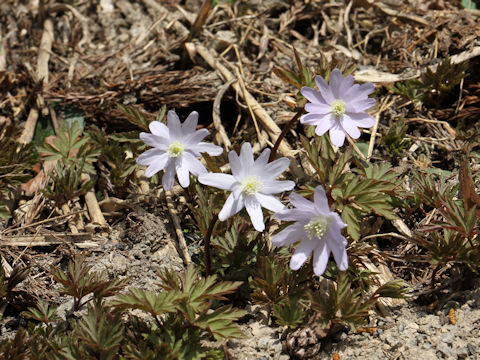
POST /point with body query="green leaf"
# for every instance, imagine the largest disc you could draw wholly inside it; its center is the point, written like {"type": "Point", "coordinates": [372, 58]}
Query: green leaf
{"type": "Point", "coordinates": [341, 304]}
{"type": "Point", "coordinates": [43, 312]}
{"type": "Point", "coordinates": [101, 332]}
{"type": "Point", "coordinates": [135, 116]}
{"type": "Point", "coordinates": [154, 303]}
{"type": "Point", "coordinates": [352, 217]}
{"type": "Point", "coordinates": [79, 281]}
{"type": "Point", "coordinates": [393, 289]}
{"type": "Point", "coordinates": [289, 313]}
{"type": "Point", "coordinates": [220, 323]}
{"type": "Point", "coordinates": [469, 4]}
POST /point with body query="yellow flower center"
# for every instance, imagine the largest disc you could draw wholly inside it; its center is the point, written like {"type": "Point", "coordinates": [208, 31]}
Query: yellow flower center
{"type": "Point", "coordinates": [250, 185]}
{"type": "Point", "coordinates": [176, 149]}
{"type": "Point", "coordinates": [317, 227]}
{"type": "Point", "coordinates": [338, 107]}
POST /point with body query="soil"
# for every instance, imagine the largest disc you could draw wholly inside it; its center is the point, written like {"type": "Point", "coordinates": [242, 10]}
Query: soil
{"type": "Point", "coordinates": [139, 246]}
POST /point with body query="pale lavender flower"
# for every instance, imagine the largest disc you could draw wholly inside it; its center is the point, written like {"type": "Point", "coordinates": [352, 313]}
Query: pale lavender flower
{"type": "Point", "coordinates": [339, 107]}
{"type": "Point", "coordinates": [317, 228]}
{"type": "Point", "coordinates": [176, 148]}
{"type": "Point", "coordinates": [252, 184]}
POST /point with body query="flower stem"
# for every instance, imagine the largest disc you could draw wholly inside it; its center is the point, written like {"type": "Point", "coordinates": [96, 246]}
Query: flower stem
{"type": "Point", "coordinates": [206, 245]}
{"type": "Point", "coordinates": [284, 133]}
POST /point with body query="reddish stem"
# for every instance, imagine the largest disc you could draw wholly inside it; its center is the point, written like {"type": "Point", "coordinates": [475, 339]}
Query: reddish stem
{"type": "Point", "coordinates": [282, 135]}
{"type": "Point", "coordinates": [206, 245]}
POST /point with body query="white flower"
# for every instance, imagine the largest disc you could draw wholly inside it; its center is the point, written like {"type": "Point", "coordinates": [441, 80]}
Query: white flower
{"type": "Point", "coordinates": [339, 107]}
{"type": "Point", "coordinates": [252, 184]}
{"type": "Point", "coordinates": [176, 149]}
{"type": "Point", "coordinates": [319, 230]}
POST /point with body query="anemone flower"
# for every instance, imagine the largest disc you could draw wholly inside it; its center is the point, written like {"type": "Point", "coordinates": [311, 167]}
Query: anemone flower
{"type": "Point", "coordinates": [252, 184]}
{"type": "Point", "coordinates": [176, 149]}
{"type": "Point", "coordinates": [339, 107]}
{"type": "Point", "coordinates": [317, 228]}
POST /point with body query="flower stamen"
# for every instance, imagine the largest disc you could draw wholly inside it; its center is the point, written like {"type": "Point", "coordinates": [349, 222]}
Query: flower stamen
{"type": "Point", "coordinates": [317, 226]}
{"type": "Point", "coordinates": [176, 149]}
{"type": "Point", "coordinates": [251, 185]}
{"type": "Point", "coordinates": [338, 107]}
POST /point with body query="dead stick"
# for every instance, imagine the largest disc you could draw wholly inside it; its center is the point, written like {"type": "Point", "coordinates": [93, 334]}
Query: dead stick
{"type": "Point", "coordinates": [217, 122]}
{"type": "Point", "coordinates": [42, 74]}
{"type": "Point", "coordinates": [178, 228]}
{"type": "Point", "coordinates": [66, 211]}
{"type": "Point", "coordinates": [3, 54]}
{"type": "Point", "coordinates": [7, 231]}
{"type": "Point", "coordinates": [267, 122]}
{"type": "Point", "coordinates": [44, 51]}
{"type": "Point", "coordinates": [96, 214]}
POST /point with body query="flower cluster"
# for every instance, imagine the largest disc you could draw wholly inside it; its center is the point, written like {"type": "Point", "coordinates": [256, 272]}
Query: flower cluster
{"type": "Point", "coordinates": [317, 228]}
{"type": "Point", "coordinates": [252, 184]}
{"type": "Point", "coordinates": [176, 149]}
{"type": "Point", "coordinates": [338, 107]}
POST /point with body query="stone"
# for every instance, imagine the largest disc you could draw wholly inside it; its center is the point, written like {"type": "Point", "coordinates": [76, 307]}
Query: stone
{"type": "Point", "coordinates": [445, 349]}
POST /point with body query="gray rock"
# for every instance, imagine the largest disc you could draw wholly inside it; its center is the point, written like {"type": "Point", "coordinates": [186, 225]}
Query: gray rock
{"type": "Point", "coordinates": [445, 350]}
{"type": "Point", "coordinates": [462, 352]}
{"type": "Point", "coordinates": [448, 338]}
{"type": "Point", "coordinates": [413, 341]}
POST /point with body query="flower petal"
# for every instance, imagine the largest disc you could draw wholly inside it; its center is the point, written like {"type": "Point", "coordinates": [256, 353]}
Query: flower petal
{"type": "Point", "coordinates": [218, 180]}
{"type": "Point", "coordinates": [231, 207]}
{"type": "Point", "coordinates": [349, 126]}
{"type": "Point", "coordinates": [193, 164]}
{"type": "Point", "coordinates": [158, 164]}
{"type": "Point", "coordinates": [174, 126]}
{"type": "Point", "coordinates": [150, 156]}
{"type": "Point", "coordinates": [302, 253]}
{"type": "Point", "coordinates": [301, 203]}
{"type": "Point", "coordinates": [235, 164]}
{"type": "Point", "coordinates": [289, 235]}
{"type": "Point", "coordinates": [269, 202]}
{"type": "Point", "coordinates": [320, 200]}
{"type": "Point", "coordinates": [337, 135]}
{"type": "Point", "coordinates": [168, 178]}
{"type": "Point", "coordinates": [255, 212]}
{"type": "Point", "coordinates": [325, 90]}
{"type": "Point", "coordinates": [182, 172]}
{"type": "Point", "coordinates": [327, 123]}
{"type": "Point", "coordinates": [210, 149]}
{"type": "Point", "coordinates": [360, 105]}
{"type": "Point", "coordinates": [358, 92]}
{"type": "Point", "coordinates": [303, 216]}
{"type": "Point", "coordinates": [320, 258]}
{"type": "Point", "coordinates": [246, 156]}
{"type": "Point", "coordinates": [159, 129]}
{"type": "Point", "coordinates": [338, 250]}
{"type": "Point", "coordinates": [312, 95]}
{"type": "Point", "coordinates": [346, 85]}
{"type": "Point", "coordinates": [260, 163]}
{"type": "Point", "coordinates": [337, 222]}
{"type": "Point", "coordinates": [313, 118]}
{"type": "Point", "coordinates": [275, 168]}
{"type": "Point", "coordinates": [318, 108]}
{"type": "Point", "coordinates": [362, 120]}
{"type": "Point", "coordinates": [336, 79]}
{"type": "Point", "coordinates": [190, 124]}
{"type": "Point", "coordinates": [274, 187]}
{"type": "Point", "coordinates": [154, 140]}
{"type": "Point", "coordinates": [194, 138]}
